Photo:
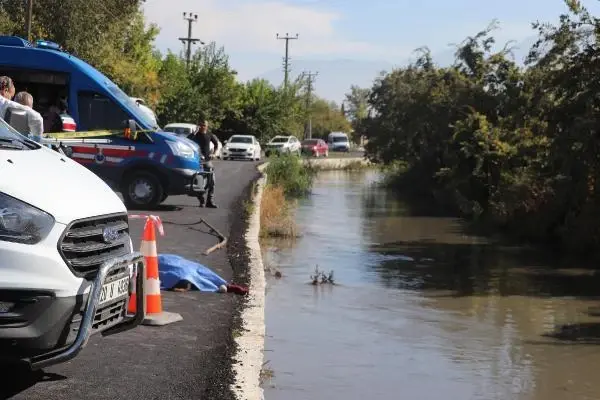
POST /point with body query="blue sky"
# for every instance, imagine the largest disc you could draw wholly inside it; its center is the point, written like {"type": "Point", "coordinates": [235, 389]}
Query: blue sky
{"type": "Point", "coordinates": [382, 30]}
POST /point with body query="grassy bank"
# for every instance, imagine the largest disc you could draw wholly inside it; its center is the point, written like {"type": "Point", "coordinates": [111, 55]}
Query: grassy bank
{"type": "Point", "coordinates": [288, 180]}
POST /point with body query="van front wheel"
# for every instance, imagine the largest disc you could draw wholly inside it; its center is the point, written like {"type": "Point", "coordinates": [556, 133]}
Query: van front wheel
{"type": "Point", "coordinates": [142, 189]}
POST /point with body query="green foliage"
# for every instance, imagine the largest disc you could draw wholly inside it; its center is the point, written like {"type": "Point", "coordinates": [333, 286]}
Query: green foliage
{"type": "Point", "coordinates": [326, 118]}
{"type": "Point", "coordinates": [515, 146]}
{"type": "Point", "coordinates": [288, 172]}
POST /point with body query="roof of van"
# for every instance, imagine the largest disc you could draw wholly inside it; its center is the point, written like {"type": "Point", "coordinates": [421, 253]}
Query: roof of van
{"type": "Point", "coordinates": [338, 134]}
{"type": "Point", "coordinates": [47, 56]}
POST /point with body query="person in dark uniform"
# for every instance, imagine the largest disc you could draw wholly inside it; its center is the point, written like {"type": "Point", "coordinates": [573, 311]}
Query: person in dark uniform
{"type": "Point", "coordinates": [203, 138]}
{"type": "Point", "coordinates": [57, 118]}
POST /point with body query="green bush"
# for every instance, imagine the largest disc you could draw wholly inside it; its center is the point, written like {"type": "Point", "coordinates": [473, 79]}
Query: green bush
{"type": "Point", "coordinates": [291, 174]}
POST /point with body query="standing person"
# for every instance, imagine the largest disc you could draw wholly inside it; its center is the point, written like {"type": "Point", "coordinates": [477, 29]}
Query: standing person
{"type": "Point", "coordinates": [57, 119]}
{"type": "Point", "coordinates": [203, 138]}
{"type": "Point", "coordinates": [7, 106]}
{"type": "Point", "coordinates": [22, 122]}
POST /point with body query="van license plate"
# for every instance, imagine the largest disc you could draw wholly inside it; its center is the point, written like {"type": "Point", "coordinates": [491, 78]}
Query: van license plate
{"type": "Point", "coordinates": [114, 290]}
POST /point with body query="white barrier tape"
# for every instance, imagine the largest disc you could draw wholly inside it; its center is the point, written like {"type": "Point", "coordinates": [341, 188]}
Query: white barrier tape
{"type": "Point", "coordinates": [152, 286]}
{"type": "Point", "coordinates": [154, 219]}
{"type": "Point", "coordinates": [148, 249]}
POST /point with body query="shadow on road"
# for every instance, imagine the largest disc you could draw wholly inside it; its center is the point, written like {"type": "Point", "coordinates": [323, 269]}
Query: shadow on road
{"type": "Point", "coordinates": [18, 379]}
{"type": "Point", "coordinates": [160, 207]}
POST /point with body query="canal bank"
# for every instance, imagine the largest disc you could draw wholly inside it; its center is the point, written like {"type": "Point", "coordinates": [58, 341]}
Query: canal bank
{"type": "Point", "coordinates": [422, 305]}
{"type": "Point", "coordinates": [250, 336]}
{"type": "Point", "coordinates": [332, 164]}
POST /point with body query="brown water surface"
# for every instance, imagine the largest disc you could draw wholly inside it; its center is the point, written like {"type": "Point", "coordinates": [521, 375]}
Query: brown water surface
{"type": "Point", "coordinates": [422, 310]}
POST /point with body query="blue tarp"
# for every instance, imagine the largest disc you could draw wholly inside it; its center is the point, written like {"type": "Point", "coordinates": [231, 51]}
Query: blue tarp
{"type": "Point", "coordinates": [173, 269]}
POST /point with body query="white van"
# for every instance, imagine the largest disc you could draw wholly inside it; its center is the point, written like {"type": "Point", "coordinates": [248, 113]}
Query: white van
{"type": "Point", "coordinates": [338, 141]}
{"type": "Point", "coordinates": [66, 259]}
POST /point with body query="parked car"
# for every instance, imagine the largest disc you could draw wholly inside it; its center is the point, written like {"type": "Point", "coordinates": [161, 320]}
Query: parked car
{"type": "Point", "coordinates": [181, 129]}
{"type": "Point", "coordinates": [242, 147]}
{"type": "Point", "coordinates": [338, 141]}
{"type": "Point", "coordinates": [283, 145]}
{"type": "Point", "coordinates": [315, 147]}
{"type": "Point", "coordinates": [185, 129]}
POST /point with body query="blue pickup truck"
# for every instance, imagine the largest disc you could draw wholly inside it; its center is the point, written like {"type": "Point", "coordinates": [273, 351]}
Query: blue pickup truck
{"type": "Point", "coordinates": [134, 157]}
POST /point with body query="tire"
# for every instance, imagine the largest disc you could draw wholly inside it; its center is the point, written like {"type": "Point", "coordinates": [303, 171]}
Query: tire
{"type": "Point", "coordinates": [142, 189]}
{"type": "Point", "coordinates": [164, 197]}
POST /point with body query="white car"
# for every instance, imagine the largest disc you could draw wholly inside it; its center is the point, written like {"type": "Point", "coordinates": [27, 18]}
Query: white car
{"type": "Point", "coordinates": [283, 145]}
{"type": "Point", "coordinates": [185, 129]}
{"type": "Point", "coordinates": [242, 147]}
{"type": "Point", "coordinates": [66, 258]}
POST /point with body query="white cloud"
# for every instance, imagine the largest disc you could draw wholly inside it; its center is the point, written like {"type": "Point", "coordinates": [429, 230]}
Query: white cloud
{"type": "Point", "coordinates": [251, 26]}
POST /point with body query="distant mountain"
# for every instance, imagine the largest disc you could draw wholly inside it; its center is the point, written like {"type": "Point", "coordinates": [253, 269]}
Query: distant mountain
{"type": "Point", "coordinates": [336, 76]}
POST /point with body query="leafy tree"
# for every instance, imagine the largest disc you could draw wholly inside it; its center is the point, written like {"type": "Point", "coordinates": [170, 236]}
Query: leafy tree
{"type": "Point", "coordinates": [357, 102]}
{"type": "Point", "coordinates": [327, 118]}
{"type": "Point", "coordinates": [512, 146]}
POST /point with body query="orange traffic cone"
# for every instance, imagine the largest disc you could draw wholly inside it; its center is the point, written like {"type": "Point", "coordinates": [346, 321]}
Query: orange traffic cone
{"type": "Point", "coordinates": [154, 312]}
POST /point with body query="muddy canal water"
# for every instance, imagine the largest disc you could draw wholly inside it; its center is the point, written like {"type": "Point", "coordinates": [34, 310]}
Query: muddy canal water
{"type": "Point", "coordinates": [421, 309]}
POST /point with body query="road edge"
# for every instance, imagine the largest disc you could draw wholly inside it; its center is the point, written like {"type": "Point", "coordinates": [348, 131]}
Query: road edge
{"type": "Point", "coordinates": [248, 360]}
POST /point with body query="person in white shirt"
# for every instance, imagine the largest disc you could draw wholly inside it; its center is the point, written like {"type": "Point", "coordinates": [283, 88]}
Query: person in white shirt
{"type": "Point", "coordinates": [35, 122]}
{"type": "Point", "coordinates": [22, 122]}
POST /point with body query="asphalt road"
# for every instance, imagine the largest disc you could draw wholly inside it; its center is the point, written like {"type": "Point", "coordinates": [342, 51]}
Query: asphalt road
{"type": "Point", "coordinates": [186, 360]}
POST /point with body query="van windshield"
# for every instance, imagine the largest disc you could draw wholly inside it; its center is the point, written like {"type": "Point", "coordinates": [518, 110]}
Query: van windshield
{"type": "Point", "coordinates": [240, 139]}
{"type": "Point", "coordinates": [339, 139]}
{"type": "Point", "coordinates": [137, 111]}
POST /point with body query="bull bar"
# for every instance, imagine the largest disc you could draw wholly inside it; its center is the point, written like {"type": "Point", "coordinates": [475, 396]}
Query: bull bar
{"type": "Point", "coordinates": [128, 322]}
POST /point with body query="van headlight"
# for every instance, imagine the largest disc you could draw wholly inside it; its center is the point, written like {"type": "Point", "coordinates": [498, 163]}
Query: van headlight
{"type": "Point", "coordinates": [22, 223]}
{"type": "Point", "coordinates": [181, 149]}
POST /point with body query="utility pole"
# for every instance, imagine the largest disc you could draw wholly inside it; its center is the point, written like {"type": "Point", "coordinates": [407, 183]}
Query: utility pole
{"type": "Point", "coordinates": [286, 60]}
{"type": "Point", "coordinates": [310, 76]}
{"type": "Point", "coordinates": [188, 41]}
{"type": "Point", "coordinates": [29, 18]}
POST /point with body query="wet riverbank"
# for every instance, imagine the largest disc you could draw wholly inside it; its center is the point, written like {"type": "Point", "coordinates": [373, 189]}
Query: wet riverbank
{"type": "Point", "coordinates": [422, 310]}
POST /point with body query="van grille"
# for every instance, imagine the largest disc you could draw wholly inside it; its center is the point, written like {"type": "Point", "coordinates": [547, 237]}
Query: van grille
{"type": "Point", "coordinates": [84, 247]}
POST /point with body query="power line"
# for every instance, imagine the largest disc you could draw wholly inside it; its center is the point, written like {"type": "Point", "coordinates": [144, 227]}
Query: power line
{"type": "Point", "coordinates": [310, 77]}
{"type": "Point", "coordinates": [286, 59]}
{"type": "Point", "coordinates": [189, 40]}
